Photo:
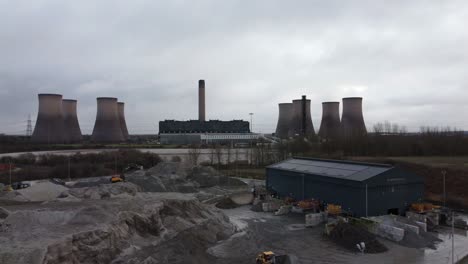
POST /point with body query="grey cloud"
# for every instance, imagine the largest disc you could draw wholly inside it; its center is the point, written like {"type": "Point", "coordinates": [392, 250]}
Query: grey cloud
{"type": "Point", "coordinates": [406, 58]}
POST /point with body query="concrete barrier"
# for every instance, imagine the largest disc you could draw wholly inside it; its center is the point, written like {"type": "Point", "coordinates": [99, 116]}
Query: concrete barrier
{"type": "Point", "coordinates": [416, 217]}
{"type": "Point", "coordinates": [314, 219]}
{"type": "Point", "coordinates": [284, 209]}
{"type": "Point", "coordinates": [422, 225]}
{"type": "Point", "coordinates": [389, 232]}
{"type": "Point", "coordinates": [270, 207]}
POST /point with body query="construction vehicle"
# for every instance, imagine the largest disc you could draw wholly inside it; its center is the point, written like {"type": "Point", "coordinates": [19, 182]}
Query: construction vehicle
{"type": "Point", "coordinates": [116, 178]}
{"type": "Point", "coordinates": [334, 209]}
{"type": "Point", "coordinates": [268, 257]}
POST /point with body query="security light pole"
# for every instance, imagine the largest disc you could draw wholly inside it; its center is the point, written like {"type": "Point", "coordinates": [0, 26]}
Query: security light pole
{"type": "Point", "coordinates": [9, 164]}
{"type": "Point", "coordinates": [443, 176]}
{"type": "Point", "coordinates": [251, 126]}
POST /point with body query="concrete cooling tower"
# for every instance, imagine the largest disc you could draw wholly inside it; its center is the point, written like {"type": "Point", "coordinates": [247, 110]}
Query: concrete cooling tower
{"type": "Point", "coordinates": [123, 123]}
{"type": "Point", "coordinates": [49, 123]}
{"type": "Point", "coordinates": [107, 127]}
{"type": "Point", "coordinates": [284, 120]}
{"type": "Point", "coordinates": [352, 120]}
{"type": "Point", "coordinates": [301, 121]}
{"type": "Point", "coordinates": [72, 131]}
{"type": "Point", "coordinates": [330, 125]}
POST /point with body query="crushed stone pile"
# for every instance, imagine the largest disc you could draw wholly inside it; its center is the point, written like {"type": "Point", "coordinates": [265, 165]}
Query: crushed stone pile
{"type": "Point", "coordinates": [423, 240]}
{"type": "Point", "coordinates": [179, 177]}
{"type": "Point", "coordinates": [167, 227]}
{"type": "Point", "coordinates": [40, 191]}
{"type": "Point", "coordinates": [208, 177]}
{"type": "Point", "coordinates": [226, 203]}
{"type": "Point", "coordinates": [348, 235]}
{"type": "Point", "coordinates": [102, 191]}
{"type": "Point", "coordinates": [3, 213]}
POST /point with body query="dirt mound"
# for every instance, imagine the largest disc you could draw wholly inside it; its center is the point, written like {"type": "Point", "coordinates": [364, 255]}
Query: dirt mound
{"type": "Point", "coordinates": [348, 235]}
{"type": "Point", "coordinates": [226, 203]}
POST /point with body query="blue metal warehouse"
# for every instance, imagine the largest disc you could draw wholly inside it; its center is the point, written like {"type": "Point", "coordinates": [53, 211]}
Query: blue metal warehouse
{"type": "Point", "coordinates": [363, 189]}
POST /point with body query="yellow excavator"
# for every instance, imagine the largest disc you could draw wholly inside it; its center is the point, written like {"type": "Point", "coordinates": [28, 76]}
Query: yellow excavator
{"type": "Point", "coordinates": [268, 257]}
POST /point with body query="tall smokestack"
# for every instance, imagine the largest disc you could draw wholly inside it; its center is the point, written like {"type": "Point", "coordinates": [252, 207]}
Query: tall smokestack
{"type": "Point", "coordinates": [352, 120]}
{"type": "Point", "coordinates": [284, 120]}
{"type": "Point", "coordinates": [123, 123]}
{"type": "Point", "coordinates": [49, 123]}
{"type": "Point", "coordinates": [301, 121]}
{"type": "Point", "coordinates": [70, 119]}
{"type": "Point", "coordinates": [303, 115]}
{"type": "Point", "coordinates": [201, 100]}
{"type": "Point", "coordinates": [330, 125]}
{"type": "Point", "coordinates": [107, 127]}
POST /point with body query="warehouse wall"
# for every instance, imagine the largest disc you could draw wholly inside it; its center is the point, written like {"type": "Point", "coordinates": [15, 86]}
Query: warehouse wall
{"type": "Point", "coordinates": [393, 189]}
{"type": "Point", "coordinates": [345, 193]}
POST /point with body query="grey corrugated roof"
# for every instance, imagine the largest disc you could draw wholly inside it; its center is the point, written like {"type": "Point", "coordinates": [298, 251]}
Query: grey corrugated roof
{"type": "Point", "coordinates": [354, 171]}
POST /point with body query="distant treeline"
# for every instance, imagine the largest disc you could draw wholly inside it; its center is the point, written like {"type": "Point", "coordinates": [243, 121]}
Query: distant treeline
{"type": "Point", "coordinates": [78, 165]}
{"type": "Point", "coordinates": [386, 139]}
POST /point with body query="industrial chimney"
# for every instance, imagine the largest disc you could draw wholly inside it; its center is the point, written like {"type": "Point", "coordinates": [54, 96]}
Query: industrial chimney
{"type": "Point", "coordinates": [107, 127]}
{"type": "Point", "coordinates": [284, 119]}
{"type": "Point", "coordinates": [49, 123]}
{"type": "Point", "coordinates": [352, 120]}
{"type": "Point", "coordinates": [123, 123]}
{"type": "Point", "coordinates": [301, 121]}
{"type": "Point", "coordinates": [201, 100]}
{"type": "Point", "coordinates": [70, 119]}
{"type": "Point", "coordinates": [330, 125]}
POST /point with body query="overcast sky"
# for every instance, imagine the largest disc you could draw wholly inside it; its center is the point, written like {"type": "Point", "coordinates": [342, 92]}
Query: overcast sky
{"type": "Point", "coordinates": [408, 59]}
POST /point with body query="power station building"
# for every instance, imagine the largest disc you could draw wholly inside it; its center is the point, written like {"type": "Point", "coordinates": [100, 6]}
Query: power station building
{"type": "Point", "coordinates": [362, 189]}
{"type": "Point", "coordinates": [202, 131]}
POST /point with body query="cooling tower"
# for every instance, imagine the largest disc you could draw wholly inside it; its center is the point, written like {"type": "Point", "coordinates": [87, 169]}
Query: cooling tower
{"type": "Point", "coordinates": [330, 125]}
{"type": "Point", "coordinates": [201, 100]}
{"type": "Point", "coordinates": [49, 123]}
{"type": "Point", "coordinates": [107, 126]}
{"type": "Point", "coordinates": [123, 123]}
{"type": "Point", "coordinates": [352, 120]}
{"type": "Point", "coordinates": [301, 120]}
{"type": "Point", "coordinates": [284, 119]}
{"type": "Point", "coordinates": [70, 119]}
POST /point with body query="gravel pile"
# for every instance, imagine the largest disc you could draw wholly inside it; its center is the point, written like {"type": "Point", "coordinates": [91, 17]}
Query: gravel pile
{"type": "Point", "coordinates": [423, 240]}
{"type": "Point", "coordinates": [226, 203]}
{"type": "Point", "coordinates": [348, 235]}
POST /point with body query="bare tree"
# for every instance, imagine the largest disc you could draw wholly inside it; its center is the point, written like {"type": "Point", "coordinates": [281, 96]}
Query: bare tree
{"type": "Point", "coordinates": [219, 153]}
{"type": "Point", "coordinates": [194, 154]}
